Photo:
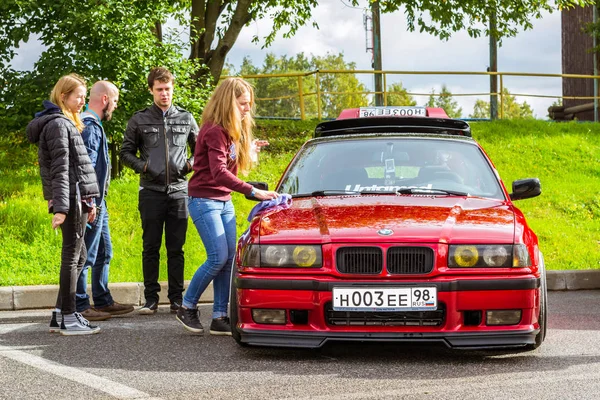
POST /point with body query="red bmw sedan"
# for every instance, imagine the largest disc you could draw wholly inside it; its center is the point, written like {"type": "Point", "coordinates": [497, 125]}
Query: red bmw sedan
{"type": "Point", "coordinates": [400, 229]}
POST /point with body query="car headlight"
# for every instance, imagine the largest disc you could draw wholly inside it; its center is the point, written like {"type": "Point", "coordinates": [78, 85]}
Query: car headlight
{"type": "Point", "coordinates": [286, 256]}
{"type": "Point", "coordinates": [521, 256]}
{"type": "Point", "coordinates": [481, 256]}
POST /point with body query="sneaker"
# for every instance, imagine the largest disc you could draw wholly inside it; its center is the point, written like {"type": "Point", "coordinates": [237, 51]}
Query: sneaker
{"type": "Point", "coordinates": [220, 327]}
{"type": "Point", "coordinates": [94, 315]}
{"type": "Point", "coordinates": [189, 318]}
{"type": "Point", "coordinates": [74, 324]}
{"type": "Point", "coordinates": [115, 309]}
{"type": "Point", "coordinates": [54, 325]}
{"type": "Point", "coordinates": [149, 308]}
{"type": "Point", "coordinates": [175, 306]}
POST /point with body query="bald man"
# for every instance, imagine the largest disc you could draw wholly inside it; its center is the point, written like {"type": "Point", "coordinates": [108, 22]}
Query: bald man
{"type": "Point", "coordinates": [104, 97]}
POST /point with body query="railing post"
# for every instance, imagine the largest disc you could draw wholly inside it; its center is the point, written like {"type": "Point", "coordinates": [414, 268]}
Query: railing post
{"type": "Point", "coordinates": [318, 96]}
{"type": "Point", "coordinates": [501, 97]}
{"type": "Point", "coordinates": [493, 68]}
{"type": "Point", "coordinates": [301, 95]}
{"type": "Point", "coordinates": [377, 62]}
{"type": "Point", "coordinates": [385, 89]}
{"type": "Point", "coordinates": [595, 60]}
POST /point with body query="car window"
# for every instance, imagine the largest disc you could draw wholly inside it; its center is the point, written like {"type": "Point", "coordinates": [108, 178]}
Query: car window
{"type": "Point", "coordinates": [389, 164]}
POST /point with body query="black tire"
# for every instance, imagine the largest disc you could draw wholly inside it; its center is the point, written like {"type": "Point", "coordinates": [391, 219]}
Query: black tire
{"type": "Point", "coordinates": [543, 316]}
{"type": "Point", "coordinates": [233, 310]}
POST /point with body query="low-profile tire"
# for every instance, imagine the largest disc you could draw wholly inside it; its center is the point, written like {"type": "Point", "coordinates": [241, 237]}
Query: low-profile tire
{"type": "Point", "coordinates": [233, 311]}
{"type": "Point", "coordinates": [543, 316]}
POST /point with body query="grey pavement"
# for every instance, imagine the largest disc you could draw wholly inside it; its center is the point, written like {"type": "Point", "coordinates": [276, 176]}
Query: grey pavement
{"type": "Point", "coordinates": [44, 296]}
{"type": "Point", "coordinates": [153, 357]}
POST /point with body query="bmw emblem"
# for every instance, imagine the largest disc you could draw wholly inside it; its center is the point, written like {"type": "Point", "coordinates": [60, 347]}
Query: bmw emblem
{"type": "Point", "coordinates": [385, 232]}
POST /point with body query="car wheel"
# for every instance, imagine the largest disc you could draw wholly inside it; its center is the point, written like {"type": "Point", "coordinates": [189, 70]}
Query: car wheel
{"type": "Point", "coordinates": [543, 316]}
{"type": "Point", "coordinates": [233, 311]}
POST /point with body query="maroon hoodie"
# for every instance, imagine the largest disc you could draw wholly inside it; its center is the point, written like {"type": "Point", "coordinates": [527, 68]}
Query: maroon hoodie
{"type": "Point", "coordinates": [215, 166]}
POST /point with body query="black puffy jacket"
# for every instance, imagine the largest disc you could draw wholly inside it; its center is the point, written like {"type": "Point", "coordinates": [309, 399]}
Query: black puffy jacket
{"type": "Point", "coordinates": [161, 141]}
{"type": "Point", "coordinates": [63, 158]}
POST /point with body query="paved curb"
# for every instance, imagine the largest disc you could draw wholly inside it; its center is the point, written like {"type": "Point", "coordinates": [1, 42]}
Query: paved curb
{"type": "Point", "coordinates": [44, 296]}
{"type": "Point", "coordinates": [14, 298]}
{"type": "Point", "coordinates": [583, 279]}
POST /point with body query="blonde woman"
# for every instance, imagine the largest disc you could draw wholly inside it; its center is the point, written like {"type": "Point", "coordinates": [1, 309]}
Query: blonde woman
{"type": "Point", "coordinates": [224, 146]}
{"type": "Point", "coordinates": [69, 184]}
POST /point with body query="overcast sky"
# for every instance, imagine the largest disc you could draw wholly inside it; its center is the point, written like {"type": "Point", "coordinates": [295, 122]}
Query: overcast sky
{"type": "Point", "coordinates": [342, 30]}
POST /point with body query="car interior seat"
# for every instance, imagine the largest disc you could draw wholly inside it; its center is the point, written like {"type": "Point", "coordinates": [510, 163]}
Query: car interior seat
{"type": "Point", "coordinates": [438, 172]}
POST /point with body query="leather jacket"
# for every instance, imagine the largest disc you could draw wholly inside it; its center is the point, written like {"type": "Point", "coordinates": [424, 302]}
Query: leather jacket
{"type": "Point", "coordinates": [163, 161]}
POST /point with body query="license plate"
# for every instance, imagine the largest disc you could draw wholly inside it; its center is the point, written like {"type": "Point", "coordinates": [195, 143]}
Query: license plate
{"type": "Point", "coordinates": [385, 299]}
{"type": "Point", "coordinates": [389, 111]}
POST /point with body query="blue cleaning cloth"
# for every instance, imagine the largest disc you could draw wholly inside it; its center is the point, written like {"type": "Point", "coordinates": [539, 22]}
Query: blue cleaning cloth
{"type": "Point", "coordinates": [280, 203]}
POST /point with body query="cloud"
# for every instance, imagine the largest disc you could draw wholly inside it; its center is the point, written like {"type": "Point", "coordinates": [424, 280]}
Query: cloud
{"type": "Point", "coordinates": [27, 54]}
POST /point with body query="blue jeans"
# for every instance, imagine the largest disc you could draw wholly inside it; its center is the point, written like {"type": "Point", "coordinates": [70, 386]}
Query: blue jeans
{"type": "Point", "coordinates": [215, 222]}
{"type": "Point", "coordinates": [99, 254]}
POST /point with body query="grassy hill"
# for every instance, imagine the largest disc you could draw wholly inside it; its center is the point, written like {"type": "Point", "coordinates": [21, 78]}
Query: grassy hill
{"type": "Point", "coordinates": [566, 217]}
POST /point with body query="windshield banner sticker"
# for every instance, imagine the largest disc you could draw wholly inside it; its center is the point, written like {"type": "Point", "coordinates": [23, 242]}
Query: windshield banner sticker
{"type": "Point", "coordinates": [377, 188]}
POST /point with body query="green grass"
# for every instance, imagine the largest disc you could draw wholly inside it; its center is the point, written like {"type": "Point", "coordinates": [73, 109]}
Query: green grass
{"type": "Point", "coordinates": [566, 217]}
{"type": "Point", "coordinates": [566, 158]}
{"type": "Point", "coordinates": [30, 250]}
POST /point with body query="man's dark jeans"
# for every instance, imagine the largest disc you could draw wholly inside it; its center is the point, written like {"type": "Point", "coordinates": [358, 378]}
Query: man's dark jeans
{"type": "Point", "coordinates": [160, 211]}
{"type": "Point", "coordinates": [99, 254]}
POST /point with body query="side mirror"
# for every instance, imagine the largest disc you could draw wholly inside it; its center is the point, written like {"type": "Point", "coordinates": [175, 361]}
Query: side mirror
{"type": "Point", "coordinates": [526, 189]}
{"type": "Point", "coordinates": [258, 185]}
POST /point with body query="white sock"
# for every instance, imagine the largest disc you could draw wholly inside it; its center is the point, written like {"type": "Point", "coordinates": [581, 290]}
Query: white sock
{"type": "Point", "coordinates": [69, 318]}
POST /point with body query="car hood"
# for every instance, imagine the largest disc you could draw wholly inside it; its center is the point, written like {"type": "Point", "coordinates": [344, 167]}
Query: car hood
{"type": "Point", "coordinates": [389, 218]}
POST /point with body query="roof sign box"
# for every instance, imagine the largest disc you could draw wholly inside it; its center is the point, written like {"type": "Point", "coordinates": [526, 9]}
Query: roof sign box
{"type": "Point", "coordinates": [389, 120]}
{"type": "Point", "coordinates": [393, 111]}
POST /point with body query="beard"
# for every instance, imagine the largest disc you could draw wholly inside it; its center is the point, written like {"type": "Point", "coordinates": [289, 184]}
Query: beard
{"type": "Point", "coordinates": [107, 115]}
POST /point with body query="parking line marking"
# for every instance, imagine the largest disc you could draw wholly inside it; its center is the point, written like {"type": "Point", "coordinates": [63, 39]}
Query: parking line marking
{"type": "Point", "coordinates": [112, 388]}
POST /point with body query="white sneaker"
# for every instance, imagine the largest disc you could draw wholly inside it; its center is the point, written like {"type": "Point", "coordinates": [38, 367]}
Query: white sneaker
{"type": "Point", "coordinates": [75, 324]}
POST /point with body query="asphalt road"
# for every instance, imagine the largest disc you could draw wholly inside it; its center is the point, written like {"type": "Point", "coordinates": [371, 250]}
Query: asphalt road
{"type": "Point", "coordinates": [155, 358]}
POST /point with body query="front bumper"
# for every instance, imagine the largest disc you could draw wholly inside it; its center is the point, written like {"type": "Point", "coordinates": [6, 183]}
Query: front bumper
{"type": "Point", "coordinates": [459, 340]}
{"type": "Point", "coordinates": [458, 296]}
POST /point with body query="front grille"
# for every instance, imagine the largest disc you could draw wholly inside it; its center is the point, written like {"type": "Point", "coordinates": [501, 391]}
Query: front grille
{"type": "Point", "coordinates": [395, 318]}
{"type": "Point", "coordinates": [409, 260]}
{"type": "Point", "coordinates": [359, 260]}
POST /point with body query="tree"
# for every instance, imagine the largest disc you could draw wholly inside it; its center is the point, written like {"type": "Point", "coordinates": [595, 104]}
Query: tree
{"type": "Point", "coordinates": [398, 96]}
{"type": "Point", "coordinates": [442, 18]}
{"type": "Point", "coordinates": [444, 100]}
{"type": "Point", "coordinates": [279, 96]}
{"type": "Point", "coordinates": [330, 84]}
{"type": "Point", "coordinates": [511, 108]}
{"type": "Point", "coordinates": [216, 25]}
{"type": "Point", "coordinates": [121, 39]}
{"type": "Point", "coordinates": [116, 40]}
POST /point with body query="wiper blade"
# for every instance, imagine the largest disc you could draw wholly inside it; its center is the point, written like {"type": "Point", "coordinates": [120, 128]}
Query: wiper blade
{"type": "Point", "coordinates": [325, 193]}
{"type": "Point", "coordinates": [376, 192]}
{"type": "Point", "coordinates": [431, 191]}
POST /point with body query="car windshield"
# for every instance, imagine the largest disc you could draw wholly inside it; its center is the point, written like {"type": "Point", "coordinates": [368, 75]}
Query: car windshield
{"type": "Point", "coordinates": [390, 165]}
